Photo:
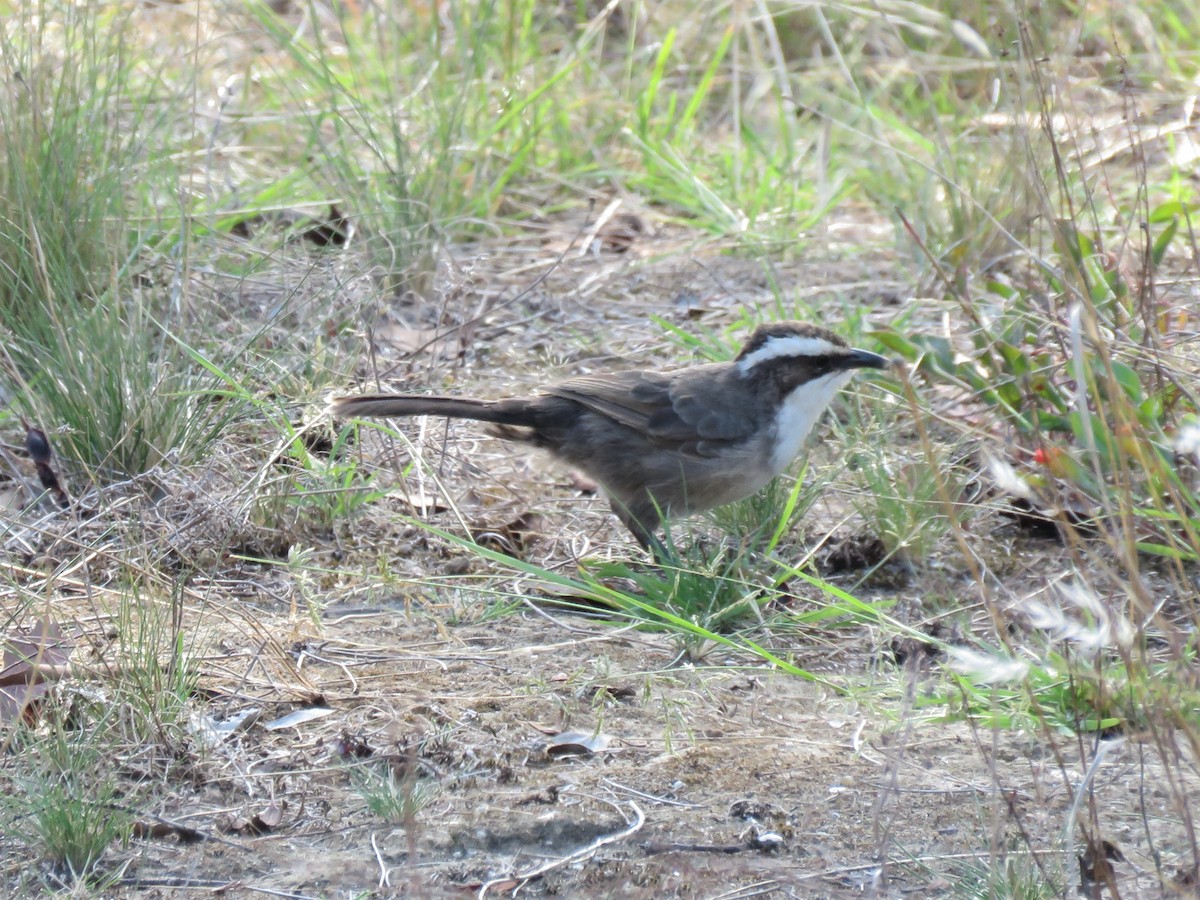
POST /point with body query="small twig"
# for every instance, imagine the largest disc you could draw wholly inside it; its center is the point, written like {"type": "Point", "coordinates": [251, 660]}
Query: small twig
{"type": "Point", "coordinates": [490, 306]}
{"type": "Point", "coordinates": [185, 833]}
{"type": "Point", "coordinates": [384, 871]}
{"type": "Point", "coordinates": [651, 797]}
{"type": "Point", "coordinates": [639, 819]}
{"type": "Point", "coordinates": [601, 220]}
{"type": "Point", "coordinates": [656, 848]}
{"type": "Point", "coordinates": [758, 889]}
{"type": "Point", "coordinates": [573, 629]}
{"type": "Point", "coordinates": [331, 662]}
{"type": "Point", "coordinates": [213, 884]}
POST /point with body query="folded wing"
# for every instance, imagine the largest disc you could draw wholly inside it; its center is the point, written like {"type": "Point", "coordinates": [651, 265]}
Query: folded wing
{"type": "Point", "coordinates": [668, 408]}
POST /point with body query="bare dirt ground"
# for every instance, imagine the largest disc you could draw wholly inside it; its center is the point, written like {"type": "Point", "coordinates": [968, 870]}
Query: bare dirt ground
{"type": "Point", "coordinates": [717, 777]}
{"type": "Point", "coordinates": [749, 783]}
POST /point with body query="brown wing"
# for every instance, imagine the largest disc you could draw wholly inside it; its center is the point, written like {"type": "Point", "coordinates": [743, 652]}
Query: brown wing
{"type": "Point", "coordinates": [673, 409]}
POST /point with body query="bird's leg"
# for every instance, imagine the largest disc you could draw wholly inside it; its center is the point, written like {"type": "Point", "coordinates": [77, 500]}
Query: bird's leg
{"type": "Point", "coordinates": [642, 524]}
{"type": "Point", "coordinates": [663, 555]}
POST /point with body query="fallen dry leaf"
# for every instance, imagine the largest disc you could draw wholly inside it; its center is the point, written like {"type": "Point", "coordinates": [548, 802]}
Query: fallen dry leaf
{"type": "Point", "coordinates": [431, 341]}
{"type": "Point", "coordinates": [42, 653]}
{"type": "Point", "coordinates": [513, 538]}
{"type": "Point", "coordinates": [422, 504]}
{"type": "Point", "coordinates": [577, 743]}
{"type": "Point", "coordinates": [260, 823]}
{"type": "Point", "coordinates": [19, 702]}
{"type": "Point", "coordinates": [211, 731]}
{"type": "Point", "coordinates": [30, 660]}
{"type": "Point", "coordinates": [298, 717]}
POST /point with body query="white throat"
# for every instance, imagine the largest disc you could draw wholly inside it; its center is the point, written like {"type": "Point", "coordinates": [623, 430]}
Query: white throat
{"type": "Point", "coordinates": [799, 413]}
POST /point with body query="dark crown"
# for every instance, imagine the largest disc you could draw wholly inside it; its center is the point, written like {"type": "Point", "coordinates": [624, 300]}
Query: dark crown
{"type": "Point", "coordinates": [764, 333]}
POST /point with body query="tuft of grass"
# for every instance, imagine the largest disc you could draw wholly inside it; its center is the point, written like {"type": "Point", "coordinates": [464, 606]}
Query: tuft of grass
{"type": "Point", "coordinates": [75, 770]}
{"type": "Point", "coordinates": [68, 154]}
{"type": "Point", "coordinates": [154, 685]}
{"type": "Point", "coordinates": [115, 392]}
{"type": "Point", "coordinates": [714, 594]}
{"type": "Point", "coordinates": [396, 798]}
{"type": "Point", "coordinates": [902, 497]}
{"type": "Point", "coordinates": [65, 802]}
{"type": "Point", "coordinates": [309, 491]}
{"type": "Point", "coordinates": [86, 355]}
{"type": "Point", "coordinates": [1015, 874]}
{"type": "Point", "coordinates": [519, 101]}
{"type": "Point", "coordinates": [760, 522]}
{"type": "Point", "coordinates": [747, 184]}
{"type": "Point", "coordinates": [419, 153]}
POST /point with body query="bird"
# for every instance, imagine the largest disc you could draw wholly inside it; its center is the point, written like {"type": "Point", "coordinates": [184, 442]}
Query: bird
{"type": "Point", "coordinates": [667, 444]}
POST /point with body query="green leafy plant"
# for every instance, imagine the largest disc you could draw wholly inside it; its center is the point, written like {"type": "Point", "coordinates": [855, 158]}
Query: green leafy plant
{"type": "Point", "coordinates": [714, 594]}
{"type": "Point", "coordinates": [1095, 412]}
{"type": "Point", "coordinates": [396, 798]}
{"type": "Point", "coordinates": [313, 490]}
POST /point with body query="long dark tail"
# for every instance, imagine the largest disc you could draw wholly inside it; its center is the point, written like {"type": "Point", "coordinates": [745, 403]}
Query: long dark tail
{"type": "Point", "coordinates": [498, 412]}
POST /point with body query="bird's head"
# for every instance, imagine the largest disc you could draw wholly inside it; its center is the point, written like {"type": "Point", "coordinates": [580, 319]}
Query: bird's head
{"type": "Point", "coordinates": [797, 369]}
{"type": "Point", "coordinates": [796, 352]}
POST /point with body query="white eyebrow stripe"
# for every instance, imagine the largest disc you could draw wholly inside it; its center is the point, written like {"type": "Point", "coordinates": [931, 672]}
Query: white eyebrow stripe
{"type": "Point", "coordinates": [791, 345]}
